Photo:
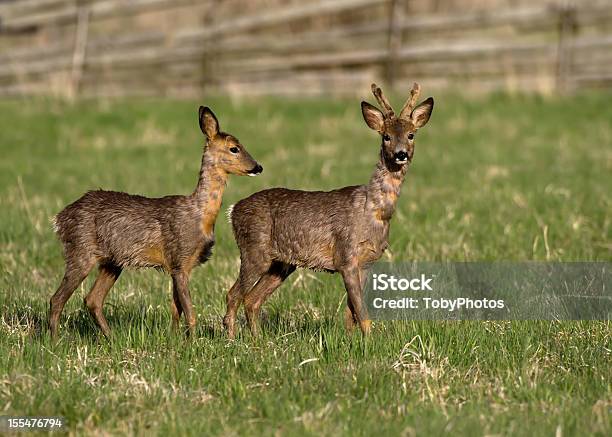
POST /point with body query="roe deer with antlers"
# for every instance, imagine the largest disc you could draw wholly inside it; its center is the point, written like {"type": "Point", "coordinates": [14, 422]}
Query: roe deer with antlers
{"type": "Point", "coordinates": [343, 230]}
{"type": "Point", "coordinates": [173, 233]}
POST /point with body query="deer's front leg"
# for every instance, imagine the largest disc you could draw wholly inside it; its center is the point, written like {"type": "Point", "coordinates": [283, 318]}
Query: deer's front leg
{"type": "Point", "coordinates": [176, 308]}
{"type": "Point", "coordinates": [350, 319]}
{"type": "Point", "coordinates": [180, 282]}
{"type": "Point", "coordinates": [353, 278]}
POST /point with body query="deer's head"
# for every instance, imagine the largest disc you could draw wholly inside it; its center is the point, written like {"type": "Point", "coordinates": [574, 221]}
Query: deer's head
{"type": "Point", "coordinates": [397, 132]}
{"type": "Point", "coordinates": [224, 149]}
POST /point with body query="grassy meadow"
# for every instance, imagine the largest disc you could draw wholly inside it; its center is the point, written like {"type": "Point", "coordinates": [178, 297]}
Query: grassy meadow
{"type": "Point", "coordinates": [494, 178]}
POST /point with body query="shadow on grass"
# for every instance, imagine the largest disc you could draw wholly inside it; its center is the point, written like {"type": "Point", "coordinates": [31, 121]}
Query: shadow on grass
{"type": "Point", "coordinates": [277, 324]}
{"type": "Point", "coordinates": [32, 322]}
{"type": "Point", "coordinates": [155, 321]}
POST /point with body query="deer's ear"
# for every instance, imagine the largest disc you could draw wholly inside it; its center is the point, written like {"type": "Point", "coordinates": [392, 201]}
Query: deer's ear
{"type": "Point", "coordinates": [372, 116]}
{"type": "Point", "coordinates": [208, 122]}
{"type": "Point", "coordinates": [420, 115]}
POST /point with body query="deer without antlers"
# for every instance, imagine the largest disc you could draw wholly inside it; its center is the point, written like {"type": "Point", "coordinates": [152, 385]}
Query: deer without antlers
{"type": "Point", "coordinates": [343, 230]}
{"type": "Point", "coordinates": [173, 233]}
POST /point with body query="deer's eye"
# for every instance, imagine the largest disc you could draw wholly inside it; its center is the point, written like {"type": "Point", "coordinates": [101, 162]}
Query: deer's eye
{"type": "Point", "coordinates": [386, 138]}
{"type": "Point", "coordinates": [234, 149]}
{"type": "Point", "coordinates": [410, 136]}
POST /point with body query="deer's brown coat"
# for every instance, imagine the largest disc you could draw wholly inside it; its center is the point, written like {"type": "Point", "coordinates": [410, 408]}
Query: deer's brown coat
{"type": "Point", "coordinates": [174, 233]}
{"type": "Point", "coordinates": [344, 230]}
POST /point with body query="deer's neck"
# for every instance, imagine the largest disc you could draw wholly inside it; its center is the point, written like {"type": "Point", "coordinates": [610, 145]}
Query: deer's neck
{"type": "Point", "coordinates": [384, 189]}
{"type": "Point", "coordinates": [209, 192]}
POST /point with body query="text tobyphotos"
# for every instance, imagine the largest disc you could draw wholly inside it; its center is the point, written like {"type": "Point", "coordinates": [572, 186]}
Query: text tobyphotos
{"type": "Point", "coordinates": [460, 303]}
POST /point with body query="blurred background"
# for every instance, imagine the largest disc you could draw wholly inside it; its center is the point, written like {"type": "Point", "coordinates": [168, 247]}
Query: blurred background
{"type": "Point", "coordinates": [183, 48]}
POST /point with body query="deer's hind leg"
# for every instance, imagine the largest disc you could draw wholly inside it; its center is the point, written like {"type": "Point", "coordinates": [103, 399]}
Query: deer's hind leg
{"type": "Point", "coordinates": [77, 269]}
{"type": "Point", "coordinates": [94, 301]}
{"type": "Point", "coordinates": [264, 288]}
{"type": "Point", "coordinates": [252, 270]}
{"type": "Point", "coordinates": [233, 301]}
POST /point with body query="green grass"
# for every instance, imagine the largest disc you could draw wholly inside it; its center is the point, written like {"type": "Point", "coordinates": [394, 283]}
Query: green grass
{"type": "Point", "coordinates": [494, 178]}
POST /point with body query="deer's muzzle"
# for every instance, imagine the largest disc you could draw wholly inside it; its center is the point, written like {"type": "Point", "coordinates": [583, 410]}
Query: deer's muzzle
{"type": "Point", "coordinates": [401, 157]}
{"type": "Point", "coordinates": [255, 170]}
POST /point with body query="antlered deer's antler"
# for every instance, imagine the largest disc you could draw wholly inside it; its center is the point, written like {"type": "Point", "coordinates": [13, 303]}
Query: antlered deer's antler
{"type": "Point", "coordinates": [382, 101]}
{"type": "Point", "coordinates": [411, 102]}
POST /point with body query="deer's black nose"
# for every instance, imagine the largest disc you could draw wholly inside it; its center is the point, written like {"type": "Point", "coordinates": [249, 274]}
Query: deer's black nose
{"type": "Point", "coordinates": [401, 156]}
{"type": "Point", "coordinates": [256, 170]}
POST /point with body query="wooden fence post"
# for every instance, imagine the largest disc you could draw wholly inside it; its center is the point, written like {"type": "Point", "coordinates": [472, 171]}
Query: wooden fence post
{"type": "Point", "coordinates": [567, 28]}
{"type": "Point", "coordinates": [394, 40]}
{"type": "Point", "coordinates": [80, 47]}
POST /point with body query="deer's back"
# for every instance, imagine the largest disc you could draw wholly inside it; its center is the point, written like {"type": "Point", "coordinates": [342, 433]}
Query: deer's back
{"type": "Point", "coordinates": [302, 228]}
{"type": "Point", "coordinates": [131, 230]}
